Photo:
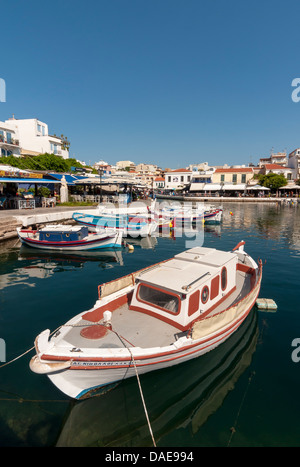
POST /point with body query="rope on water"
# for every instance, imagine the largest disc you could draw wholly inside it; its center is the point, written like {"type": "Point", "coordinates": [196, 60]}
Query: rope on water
{"type": "Point", "coordinates": [233, 429]}
{"type": "Point", "coordinates": [132, 358]}
{"type": "Point", "coordinates": [26, 352]}
{"type": "Point", "coordinates": [140, 388]}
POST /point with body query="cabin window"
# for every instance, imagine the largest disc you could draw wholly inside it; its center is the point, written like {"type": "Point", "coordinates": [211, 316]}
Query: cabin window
{"type": "Point", "coordinates": [158, 298]}
{"type": "Point", "coordinates": [204, 294]}
{"type": "Point", "coordinates": [223, 278]}
{"type": "Point", "coordinates": [194, 302]}
{"type": "Point", "coordinates": [214, 288]}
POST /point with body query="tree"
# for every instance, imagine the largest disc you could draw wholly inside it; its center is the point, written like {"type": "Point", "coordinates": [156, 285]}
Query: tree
{"type": "Point", "coordinates": [272, 180]}
{"type": "Point", "coordinates": [65, 143]}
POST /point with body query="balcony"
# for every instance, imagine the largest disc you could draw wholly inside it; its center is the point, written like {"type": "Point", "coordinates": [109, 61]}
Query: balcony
{"type": "Point", "coordinates": [9, 141]}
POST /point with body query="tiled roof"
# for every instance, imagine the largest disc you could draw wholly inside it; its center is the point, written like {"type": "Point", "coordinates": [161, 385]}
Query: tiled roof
{"type": "Point", "coordinates": [235, 170]}
{"type": "Point", "coordinates": [181, 170]}
{"type": "Point", "coordinates": [275, 166]}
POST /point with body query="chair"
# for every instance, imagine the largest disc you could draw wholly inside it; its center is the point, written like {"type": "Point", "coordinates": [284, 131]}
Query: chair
{"type": "Point", "coordinates": [3, 202]}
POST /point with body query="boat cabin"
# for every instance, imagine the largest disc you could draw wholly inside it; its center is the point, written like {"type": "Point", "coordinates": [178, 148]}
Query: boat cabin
{"type": "Point", "coordinates": [187, 287]}
{"type": "Point", "coordinates": [63, 233]}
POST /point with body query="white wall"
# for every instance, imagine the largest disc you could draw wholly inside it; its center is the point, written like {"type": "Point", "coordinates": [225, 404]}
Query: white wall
{"type": "Point", "coordinates": [174, 179]}
{"type": "Point", "coordinates": [34, 136]}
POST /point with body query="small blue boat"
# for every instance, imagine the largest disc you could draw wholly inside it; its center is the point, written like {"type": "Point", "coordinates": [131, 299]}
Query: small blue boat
{"type": "Point", "coordinates": [67, 238]}
{"type": "Point", "coordinates": [134, 225]}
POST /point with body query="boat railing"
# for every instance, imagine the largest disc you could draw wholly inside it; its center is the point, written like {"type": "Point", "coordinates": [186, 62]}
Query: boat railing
{"type": "Point", "coordinates": [187, 287]}
{"type": "Point", "coordinates": [115, 285]}
{"type": "Point", "coordinates": [234, 312]}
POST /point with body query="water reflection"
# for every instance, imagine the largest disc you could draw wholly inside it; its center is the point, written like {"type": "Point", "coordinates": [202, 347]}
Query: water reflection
{"type": "Point", "coordinates": [24, 264]}
{"type": "Point", "coordinates": [182, 396]}
{"type": "Point", "coordinates": [278, 222]}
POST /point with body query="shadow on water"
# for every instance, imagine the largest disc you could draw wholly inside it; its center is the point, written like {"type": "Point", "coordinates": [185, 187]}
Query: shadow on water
{"type": "Point", "coordinates": [184, 395]}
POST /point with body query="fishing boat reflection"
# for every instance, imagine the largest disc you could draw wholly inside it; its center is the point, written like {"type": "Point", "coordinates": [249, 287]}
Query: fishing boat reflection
{"type": "Point", "coordinates": [77, 258]}
{"type": "Point", "coordinates": [180, 396]}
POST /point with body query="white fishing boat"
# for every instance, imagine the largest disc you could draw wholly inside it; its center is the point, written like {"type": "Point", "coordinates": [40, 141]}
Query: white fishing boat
{"type": "Point", "coordinates": [135, 225]}
{"type": "Point", "coordinates": [135, 208]}
{"type": "Point", "coordinates": [213, 215]}
{"type": "Point", "coordinates": [183, 213]}
{"type": "Point", "coordinates": [69, 238]}
{"type": "Point", "coordinates": [158, 317]}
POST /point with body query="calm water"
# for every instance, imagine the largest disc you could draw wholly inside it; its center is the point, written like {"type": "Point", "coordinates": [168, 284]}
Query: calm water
{"type": "Point", "coordinates": [245, 393]}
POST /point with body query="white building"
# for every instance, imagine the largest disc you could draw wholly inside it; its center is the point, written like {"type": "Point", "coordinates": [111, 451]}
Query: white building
{"type": "Point", "coordinates": [177, 178]}
{"type": "Point", "coordinates": [121, 165]}
{"type": "Point", "coordinates": [294, 163]}
{"type": "Point", "coordinates": [201, 179]}
{"type": "Point", "coordinates": [159, 183]}
{"type": "Point", "coordinates": [34, 138]}
{"type": "Point", "coordinates": [9, 141]}
{"type": "Point", "coordinates": [279, 170]}
{"type": "Point", "coordinates": [278, 158]}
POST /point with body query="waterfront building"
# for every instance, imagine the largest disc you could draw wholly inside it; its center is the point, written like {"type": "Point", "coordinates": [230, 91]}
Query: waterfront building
{"type": "Point", "coordinates": [233, 175]}
{"type": "Point", "coordinates": [278, 158]}
{"type": "Point", "coordinates": [9, 141]}
{"type": "Point", "coordinates": [34, 138]}
{"type": "Point", "coordinates": [159, 183]}
{"type": "Point", "coordinates": [177, 179]}
{"type": "Point", "coordinates": [278, 169]}
{"type": "Point", "coordinates": [104, 166]}
{"type": "Point", "coordinates": [294, 163]}
{"type": "Point", "coordinates": [201, 179]}
{"type": "Point", "coordinates": [122, 165]}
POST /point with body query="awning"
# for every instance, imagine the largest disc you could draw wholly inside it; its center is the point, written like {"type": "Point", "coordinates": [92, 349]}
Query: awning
{"type": "Point", "coordinates": [27, 180]}
{"type": "Point", "coordinates": [205, 187]}
{"type": "Point", "coordinates": [258, 187]}
{"type": "Point", "coordinates": [231, 187]}
{"type": "Point", "coordinates": [70, 179]}
{"type": "Point", "coordinates": [290, 187]}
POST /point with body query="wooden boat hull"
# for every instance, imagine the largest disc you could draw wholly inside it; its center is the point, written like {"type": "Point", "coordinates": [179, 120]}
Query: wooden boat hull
{"type": "Point", "coordinates": [134, 227]}
{"type": "Point", "coordinates": [96, 367]}
{"type": "Point", "coordinates": [93, 242]}
{"type": "Point", "coordinates": [214, 216]}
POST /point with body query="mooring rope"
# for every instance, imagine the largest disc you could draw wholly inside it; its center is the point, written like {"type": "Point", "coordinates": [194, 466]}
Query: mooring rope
{"type": "Point", "coordinates": [26, 352]}
{"type": "Point", "coordinates": [132, 358]}
{"type": "Point", "coordinates": [233, 429]}
{"type": "Point", "coordinates": [140, 388]}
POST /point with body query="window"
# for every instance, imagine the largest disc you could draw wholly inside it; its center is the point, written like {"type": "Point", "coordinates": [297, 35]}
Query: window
{"type": "Point", "coordinates": [159, 298]}
{"type": "Point", "coordinates": [222, 178]}
{"type": "Point", "coordinates": [181, 178]}
{"type": "Point", "coordinates": [214, 288]}
{"type": "Point", "coordinates": [204, 294]}
{"type": "Point", "coordinates": [234, 178]}
{"type": "Point", "coordinates": [169, 179]}
{"type": "Point", "coordinates": [39, 128]}
{"type": "Point", "coordinates": [8, 137]}
{"type": "Point", "coordinates": [194, 302]}
{"type": "Point", "coordinates": [223, 278]}
{"type": "Point", "coordinates": [243, 178]}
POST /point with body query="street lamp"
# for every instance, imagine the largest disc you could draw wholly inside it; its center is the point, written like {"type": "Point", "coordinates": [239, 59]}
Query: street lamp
{"type": "Point", "coordinates": [101, 172]}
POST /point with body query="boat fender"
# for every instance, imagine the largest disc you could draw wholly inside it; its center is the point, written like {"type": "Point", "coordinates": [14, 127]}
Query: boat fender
{"type": "Point", "coordinates": [107, 318]}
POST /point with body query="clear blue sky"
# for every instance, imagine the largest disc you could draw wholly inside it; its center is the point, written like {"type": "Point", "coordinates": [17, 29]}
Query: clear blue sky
{"type": "Point", "coordinates": [157, 81]}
